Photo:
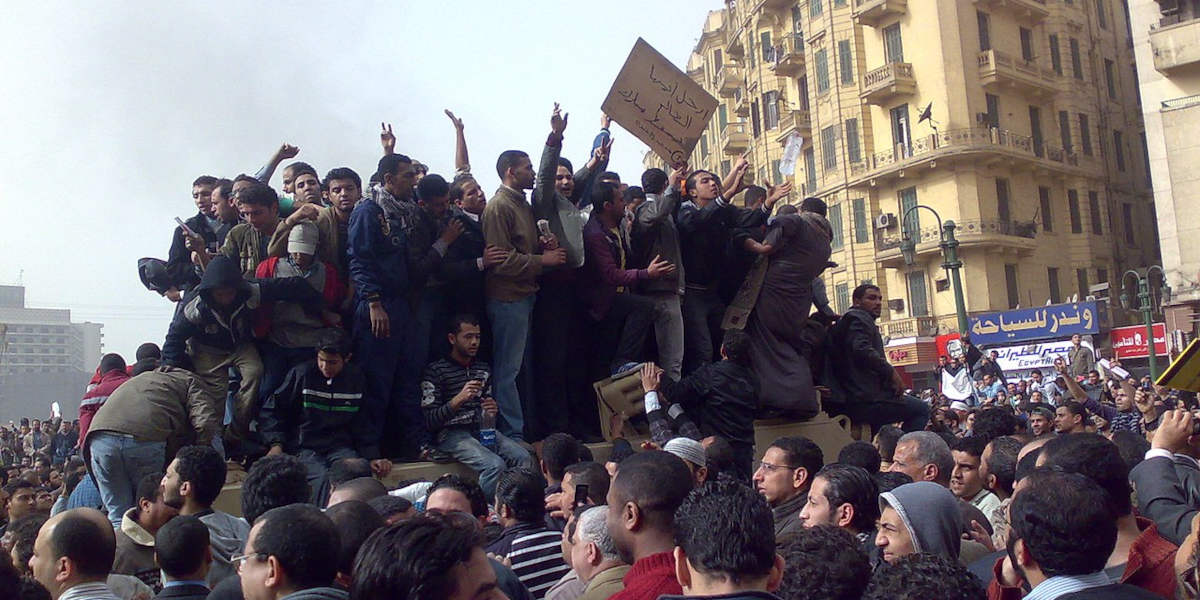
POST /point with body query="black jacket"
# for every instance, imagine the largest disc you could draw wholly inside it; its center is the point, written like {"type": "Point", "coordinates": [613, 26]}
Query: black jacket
{"type": "Point", "coordinates": [183, 592]}
{"type": "Point", "coordinates": [223, 330]}
{"type": "Point", "coordinates": [704, 234]}
{"type": "Point", "coordinates": [310, 412]}
{"type": "Point", "coordinates": [459, 268]}
{"type": "Point", "coordinates": [182, 273]}
{"type": "Point", "coordinates": [861, 370]}
{"type": "Point", "coordinates": [1168, 493]}
{"type": "Point", "coordinates": [722, 397]}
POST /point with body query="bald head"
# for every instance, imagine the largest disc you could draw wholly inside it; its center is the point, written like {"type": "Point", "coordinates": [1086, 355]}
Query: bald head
{"type": "Point", "coordinates": [85, 538]}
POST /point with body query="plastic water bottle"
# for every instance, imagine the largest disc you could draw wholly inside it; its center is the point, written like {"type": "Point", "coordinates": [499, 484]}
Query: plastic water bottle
{"type": "Point", "coordinates": [487, 429]}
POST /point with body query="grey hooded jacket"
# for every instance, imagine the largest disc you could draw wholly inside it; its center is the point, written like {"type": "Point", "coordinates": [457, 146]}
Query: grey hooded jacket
{"type": "Point", "coordinates": [931, 514]}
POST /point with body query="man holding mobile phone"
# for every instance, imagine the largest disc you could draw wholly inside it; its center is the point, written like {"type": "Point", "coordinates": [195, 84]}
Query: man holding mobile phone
{"type": "Point", "coordinates": [455, 393]}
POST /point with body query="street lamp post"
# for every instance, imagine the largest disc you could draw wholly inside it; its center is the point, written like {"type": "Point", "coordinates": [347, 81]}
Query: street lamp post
{"type": "Point", "coordinates": [950, 260]}
{"type": "Point", "coordinates": [1146, 306]}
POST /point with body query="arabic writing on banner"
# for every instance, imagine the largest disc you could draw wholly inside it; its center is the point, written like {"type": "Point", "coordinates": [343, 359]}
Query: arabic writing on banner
{"type": "Point", "coordinates": [1130, 342]}
{"type": "Point", "coordinates": [1032, 356]}
{"type": "Point", "coordinates": [1056, 320]}
{"type": "Point", "coordinates": [659, 104]}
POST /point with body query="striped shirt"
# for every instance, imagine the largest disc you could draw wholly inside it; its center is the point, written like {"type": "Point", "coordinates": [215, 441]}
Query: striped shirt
{"type": "Point", "coordinates": [1065, 584]}
{"type": "Point", "coordinates": [443, 380]}
{"type": "Point", "coordinates": [536, 555]}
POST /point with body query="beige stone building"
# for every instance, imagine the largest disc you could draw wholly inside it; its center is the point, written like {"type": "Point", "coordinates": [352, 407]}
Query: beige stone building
{"type": "Point", "coordinates": [1034, 146]}
{"type": "Point", "coordinates": [1166, 42]}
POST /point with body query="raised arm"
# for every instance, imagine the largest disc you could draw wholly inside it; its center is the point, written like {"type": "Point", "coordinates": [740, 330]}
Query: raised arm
{"type": "Point", "coordinates": [284, 152]}
{"type": "Point", "coordinates": [462, 163]}
{"type": "Point", "coordinates": [387, 139]}
{"type": "Point", "coordinates": [543, 195]}
{"type": "Point", "coordinates": [733, 181]}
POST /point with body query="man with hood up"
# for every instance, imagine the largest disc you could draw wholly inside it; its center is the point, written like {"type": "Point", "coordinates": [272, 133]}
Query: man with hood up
{"type": "Point", "coordinates": [920, 517]}
{"type": "Point", "coordinates": [214, 330]}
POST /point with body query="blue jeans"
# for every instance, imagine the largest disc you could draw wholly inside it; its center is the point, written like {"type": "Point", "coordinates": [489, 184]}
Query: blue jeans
{"type": "Point", "coordinates": [511, 348]}
{"type": "Point", "coordinates": [317, 465]}
{"type": "Point", "coordinates": [463, 446]}
{"type": "Point", "coordinates": [119, 462]}
{"type": "Point", "coordinates": [392, 398]}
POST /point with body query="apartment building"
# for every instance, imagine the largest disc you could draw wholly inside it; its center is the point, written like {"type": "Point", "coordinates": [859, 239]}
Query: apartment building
{"type": "Point", "coordinates": [1017, 119]}
{"type": "Point", "coordinates": [1166, 43]}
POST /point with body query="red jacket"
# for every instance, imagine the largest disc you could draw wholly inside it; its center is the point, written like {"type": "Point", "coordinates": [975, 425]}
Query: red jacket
{"type": "Point", "coordinates": [333, 294]}
{"type": "Point", "coordinates": [650, 577]}
{"type": "Point", "coordinates": [1151, 566]}
{"type": "Point", "coordinates": [95, 398]}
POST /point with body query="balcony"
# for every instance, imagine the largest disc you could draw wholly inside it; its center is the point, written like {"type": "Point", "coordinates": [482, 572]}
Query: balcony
{"type": "Point", "coordinates": [1018, 236]}
{"type": "Point", "coordinates": [884, 83]}
{"type": "Point", "coordinates": [778, 4]}
{"type": "Point", "coordinates": [728, 80]}
{"type": "Point", "coordinates": [910, 327]}
{"type": "Point", "coordinates": [734, 138]}
{"type": "Point", "coordinates": [1000, 72]}
{"type": "Point", "coordinates": [789, 55]}
{"type": "Point", "coordinates": [741, 103]}
{"type": "Point", "coordinates": [792, 120]}
{"type": "Point", "coordinates": [1175, 45]}
{"type": "Point", "coordinates": [981, 146]}
{"type": "Point", "coordinates": [1031, 11]}
{"type": "Point", "coordinates": [871, 12]}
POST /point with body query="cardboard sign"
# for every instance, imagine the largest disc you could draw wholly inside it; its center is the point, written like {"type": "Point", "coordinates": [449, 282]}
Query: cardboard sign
{"type": "Point", "coordinates": [659, 104]}
{"type": "Point", "coordinates": [1184, 373]}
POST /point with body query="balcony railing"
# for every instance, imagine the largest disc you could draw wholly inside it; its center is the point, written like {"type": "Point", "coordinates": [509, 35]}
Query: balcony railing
{"type": "Point", "coordinates": [957, 141]}
{"type": "Point", "coordinates": [871, 12]}
{"type": "Point", "coordinates": [892, 79]}
{"type": "Point", "coordinates": [965, 230]}
{"type": "Point", "coordinates": [789, 54]}
{"type": "Point", "coordinates": [728, 80]}
{"type": "Point", "coordinates": [910, 327]}
{"type": "Point", "coordinates": [734, 139]}
{"type": "Point", "coordinates": [999, 69]}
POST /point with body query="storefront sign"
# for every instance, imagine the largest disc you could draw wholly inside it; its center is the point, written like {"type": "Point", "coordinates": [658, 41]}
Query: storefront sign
{"type": "Point", "coordinates": [918, 353]}
{"type": "Point", "coordinates": [1032, 356]}
{"type": "Point", "coordinates": [1054, 321]}
{"type": "Point", "coordinates": [1130, 342]}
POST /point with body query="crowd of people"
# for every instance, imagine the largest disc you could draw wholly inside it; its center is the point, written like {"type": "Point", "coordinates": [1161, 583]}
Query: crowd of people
{"type": "Point", "coordinates": [325, 332]}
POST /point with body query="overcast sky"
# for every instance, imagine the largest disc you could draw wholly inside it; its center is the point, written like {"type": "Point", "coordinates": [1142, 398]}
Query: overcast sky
{"type": "Point", "coordinates": [109, 110]}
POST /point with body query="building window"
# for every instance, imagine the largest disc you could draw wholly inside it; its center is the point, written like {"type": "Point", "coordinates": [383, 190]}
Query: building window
{"type": "Point", "coordinates": [796, 19]}
{"type": "Point", "coordinates": [722, 116]}
{"type": "Point", "coordinates": [750, 49]}
{"type": "Point", "coordinates": [814, 9]}
{"type": "Point", "coordinates": [853, 151]}
{"type": "Point", "coordinates": [1035, 130]}
{"type": "Point", "coordinates": [845, 62]}
{"type": "Point", "coordinates": [768, 49]}
{"type": "Point", "coordinates": [1101, 275]}
{"type": "Point", "coordinates": [1010, 283]}
{"type": "Point", "coordinates": [1101, 18]}
{"type": "Point", "coordinates": [829, 147]}
{"type": "Point", "coordinates": [1094, 210]}
{"type": "Point", "coordinates": [822, 71]}
{"type": "Point", "coordinates": [917, 300]}
{"type": "Point", "coordinates": [718, 64]}
{"type": "Point", "coordinates": [1047, 215]}
{"type": "Point", "coordinates": [1127, 216]}
{"type": "Point", "coordinates": [1052, 277]}
{"type": "Point", "coordinates": [892, 45]}
{"type": "Point", "coordinates": [1026, 44]}
{"type": "Point", "coordinates": [771, 109]}
{"type": "Point", "coordinates": [802, 83]}
{"type": "Point", "coordinates": [755, 124]}
{"type": "Point", "coordinates": [993, 109]}
{"type": "Point", "coordinates": [1081, 281]}
{"type": "Point", "coordinates": [1073, 209]}
{"type": "Point", "coordinates": [1003, 210]}
{"type": "Point", "coordinates": [1085, 135]}
{"type": "Point", "coordinates": [1064, 129]}
{"type": "Point", "coordinates": [1076, 60]}
{"type": "Point", "coordinates": [835, 224]}
{"type": "Point", "coordinates": [841, 294]}
{"type": "Point", "coordinates": [1055, 55]}
{"type": "Point", "coordinates": [908, 199]}
{"type": "Point", "coordinates": [860, 221]}
{"type": "Point", "coordinates": [1146, 159]}
{"type": "Point", "coordinates": [1119, 150]}
{"type": "Point", "coordinates": [985, 33]}
{"type": "Point", "coordinates": [704, 146]}
{"type": "Point", "coordinates": [776, 176]}
{"type": "Point", "coordinates": [1110, 78]}
{"type": "Point", "coordinates": [810, 170]}
{"type": "Point", "coordinates": [901, 140]}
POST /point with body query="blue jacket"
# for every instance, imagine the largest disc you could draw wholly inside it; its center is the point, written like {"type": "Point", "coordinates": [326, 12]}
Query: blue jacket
{"type": "Point", "coordinates": [224, 330]}
{"type": "Point", "coordinates": [378, 251]}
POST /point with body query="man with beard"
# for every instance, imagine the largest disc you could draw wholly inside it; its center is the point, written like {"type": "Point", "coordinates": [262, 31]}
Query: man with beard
{"type": "Point", "coordinates": [191, 484]}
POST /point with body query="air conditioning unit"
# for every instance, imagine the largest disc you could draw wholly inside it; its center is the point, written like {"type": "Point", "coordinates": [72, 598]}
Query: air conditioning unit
{"type": "Point", "coordinates": [885, 221]}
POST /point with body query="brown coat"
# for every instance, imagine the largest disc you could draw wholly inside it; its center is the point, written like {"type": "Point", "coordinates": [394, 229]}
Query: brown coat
{"type": "Point", "coordinates": [508, 223]}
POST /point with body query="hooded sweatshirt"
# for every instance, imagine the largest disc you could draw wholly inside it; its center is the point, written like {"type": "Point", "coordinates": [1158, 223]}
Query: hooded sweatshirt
{"type": "Point", "coordinates": [931, 514]}
{"type": "Point", "coordinates": [227, 535]}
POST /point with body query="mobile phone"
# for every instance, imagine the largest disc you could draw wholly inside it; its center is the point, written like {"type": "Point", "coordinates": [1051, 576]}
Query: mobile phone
{"type": "Point", "coordinates": [187, 230]}
{"type": "Point", "coordinates": [581, 495]}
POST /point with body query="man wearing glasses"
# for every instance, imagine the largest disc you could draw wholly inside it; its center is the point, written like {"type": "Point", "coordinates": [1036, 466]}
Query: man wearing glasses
{"type": "Point", "coordinates": [783, 477]}
{"type": "Point", "coordinates": [292, 551]}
